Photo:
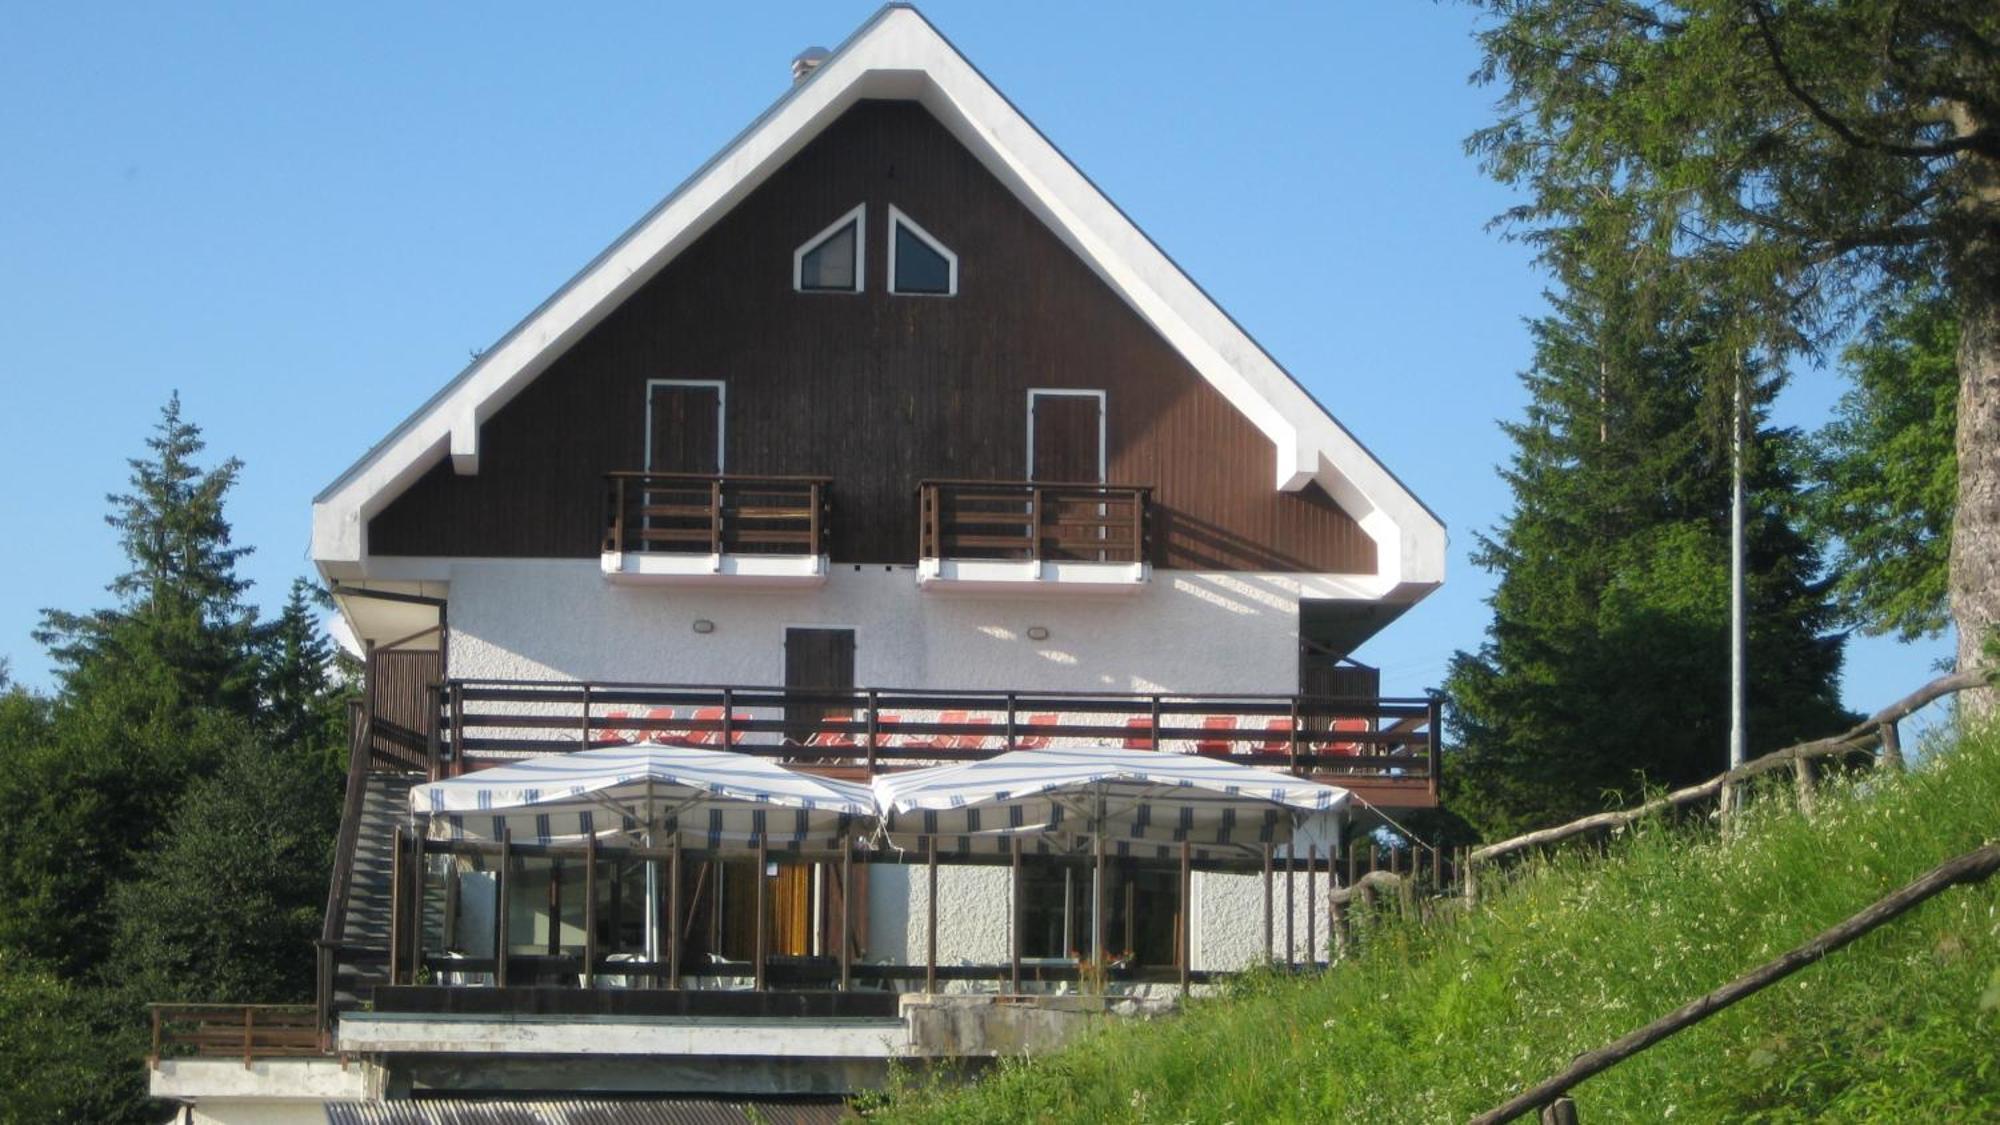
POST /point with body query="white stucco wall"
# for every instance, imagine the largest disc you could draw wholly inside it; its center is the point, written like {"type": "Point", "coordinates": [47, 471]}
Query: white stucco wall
{"type": "Point", "coordinates": [1184, 631]}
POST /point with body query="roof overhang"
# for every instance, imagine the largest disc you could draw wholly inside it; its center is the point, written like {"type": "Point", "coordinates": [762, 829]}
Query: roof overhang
{"type": "Point", "coordinates": [899, 55]}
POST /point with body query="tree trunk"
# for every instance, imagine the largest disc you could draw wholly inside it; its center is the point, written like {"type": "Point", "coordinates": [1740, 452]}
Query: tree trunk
{"type": "Point", "coordinates": [1975, 539]}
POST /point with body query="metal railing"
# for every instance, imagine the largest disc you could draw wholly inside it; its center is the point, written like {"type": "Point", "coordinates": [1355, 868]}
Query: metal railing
{"type": "Point", "coordinates": [683, 513]}
{"type": "Point", "coordinates": [1392, 741]}
{"type": "Point", "coordinates": [1023, 520]}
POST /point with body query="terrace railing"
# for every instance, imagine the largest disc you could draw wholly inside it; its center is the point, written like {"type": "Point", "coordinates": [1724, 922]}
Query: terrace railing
{"type": "Point", "coordinates": [1031, 520]}
{"type": "Point", "coordinates": [713, 515]}
{"type": "Point", "coordinates": [235, 1031]}
{"type": "Point", "coordinates": [1389, 739]}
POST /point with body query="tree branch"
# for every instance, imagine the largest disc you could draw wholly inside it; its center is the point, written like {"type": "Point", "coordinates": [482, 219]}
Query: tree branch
{"type": "Point", "coordinates": [1983, 141]}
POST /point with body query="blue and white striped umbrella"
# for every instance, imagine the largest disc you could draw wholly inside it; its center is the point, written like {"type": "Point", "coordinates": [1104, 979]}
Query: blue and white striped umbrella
{"type": "Point", "coordinates": [1144, 803]}
{"type": "Point", "coordinates": [708, 799]}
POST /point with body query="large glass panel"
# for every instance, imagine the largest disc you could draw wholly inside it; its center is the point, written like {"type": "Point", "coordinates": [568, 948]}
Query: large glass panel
{"type": "Point", "coordinates": [830, 265]}
{"type": "Point", "coordinates": [919, 268]}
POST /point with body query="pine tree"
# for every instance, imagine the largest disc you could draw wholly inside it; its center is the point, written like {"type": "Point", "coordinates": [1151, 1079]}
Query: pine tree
{"type": "Point", "coordinates": [1605, 665]}
{"type": "Point", "coordinates": [181, 622]}
{"type": "Point", "coordinates": [302, 691]}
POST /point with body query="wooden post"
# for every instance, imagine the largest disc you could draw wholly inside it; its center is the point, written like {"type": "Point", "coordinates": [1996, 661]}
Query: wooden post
{"type": "Point", "coordinates": [715, 517]}
{"type": "Point", "coordinates": [846, 915]}
{"type": "Point", "coordinates": [1892, 746]}
{"type": "Point", "coordinates": [1268, 945]}
{"type": "Point", "coordinates": [249, 1032]}
{"type": "Point", "coordinates": [1802, 784]}
{"type": "Point", "coordinates": [500, 935]}
{"type": "Point", "coordinates": [930, 916]}
{"type": "Point", "coordinates": [1291, 869]}
{"type": "Point", "coordinates": [457, 729]}
{"type": "Point", "coordinates": [1562, 1111]}
{"type": "Point", "coordinates": [416, 906]}
{"type": "Point", "coordinates": [396, 906]}
{"type": "Point", "coordinates": [763, 893]}
{"type": "Point", "coordinates": [554, 945]}
{"type": "Point", "coordinates": [590, 912]}
{"type": "Point", "coordinates": [583, 732]}
{"type": "Point", "coordinates": [874, 729]}
{"type": "Point", "coordinates": [1312, 905]}
{"type": "Point", "coordinates": [1014, 926]}
{"type": "Point", "coordinates": [728, 717]}
{"type": "Point", "coordinates": [673, 913]}
{"type": "Point", "coordinates": [1099, 920]}
{"type": "Point", "coordinates": [1332, 903]}
{"type": "Point", "coordinates": [1469, 871]}
{"type": "Point", "coordinates": [1186, 935]}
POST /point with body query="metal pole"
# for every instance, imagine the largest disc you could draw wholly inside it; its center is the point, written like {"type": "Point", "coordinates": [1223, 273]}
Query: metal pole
{"type": "Point", "coordinates": [763, 893]}
{"type": "Point", "coordinates": [846, 914]}
{"type": "Point", "coordinates": [1186, 935]}
{"type": "Point", "coordinates": [1737, 656]}
{"type": "Point", "coordinates": [930, 920]}
{"type": "Point", "coordinates": [589, 911]}
{"type": "Point", "coordinates": [674, 912]}
{"type": "Point", "coordinates": [1291, 869]}
{"type": "Point", "coordinates": [1014, 926]}
{"type": "Point", "coordinates": [1268, 943]}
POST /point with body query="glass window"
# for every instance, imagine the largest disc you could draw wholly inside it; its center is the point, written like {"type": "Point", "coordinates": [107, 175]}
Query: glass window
{"type": "Point", "coordinates": [829, 265]}
{"type": "Point", "coordinates": [919, 264]}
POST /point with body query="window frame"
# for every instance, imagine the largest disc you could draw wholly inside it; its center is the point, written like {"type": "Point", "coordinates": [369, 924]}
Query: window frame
{"type": "Point", "coordinates": [898, 219]}
{"type": "Point", "coordinates": [858, 216]}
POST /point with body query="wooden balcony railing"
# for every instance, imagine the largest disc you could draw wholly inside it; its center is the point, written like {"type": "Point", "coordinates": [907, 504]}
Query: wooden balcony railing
{"type": "Point", "coordinates": [684, 513]}
{"type": "Point", "coordinates": [1023, 520]}
{"type": "Point", "coordinates": [235, 1031]}
{"type": "Point", "coordinates": [1391, 742]}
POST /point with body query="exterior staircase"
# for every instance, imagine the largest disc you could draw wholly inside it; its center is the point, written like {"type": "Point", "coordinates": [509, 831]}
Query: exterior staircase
{"type": "Point", "coordinates": [363, 962]}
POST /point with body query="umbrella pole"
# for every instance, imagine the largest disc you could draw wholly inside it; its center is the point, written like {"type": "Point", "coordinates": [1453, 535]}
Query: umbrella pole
{"type": "Point", "coordinates": [1187, 913]}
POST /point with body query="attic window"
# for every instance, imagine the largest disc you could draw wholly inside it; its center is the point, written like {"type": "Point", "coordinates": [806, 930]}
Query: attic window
{"type": "Point", "coordinates": [918, 263]}
{"type": "Point", "coordinates": [831, 261]}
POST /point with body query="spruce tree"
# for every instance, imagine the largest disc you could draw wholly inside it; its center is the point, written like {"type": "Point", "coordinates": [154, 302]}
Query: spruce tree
{"type": "Point", "coordinates": [1605, 666]}
{"type": "Point", "coordinates": [181, 622]}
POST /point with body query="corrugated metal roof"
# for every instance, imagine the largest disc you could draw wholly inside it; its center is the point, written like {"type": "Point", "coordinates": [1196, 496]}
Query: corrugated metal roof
{"type": "Point", "coordinates": [588, 1111]}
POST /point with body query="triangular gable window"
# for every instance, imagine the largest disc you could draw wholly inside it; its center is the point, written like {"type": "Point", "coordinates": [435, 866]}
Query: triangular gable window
{"type": "Point", "coordinates": [918, 263]}
{"type": "Point", "coordinates": [831, 261]}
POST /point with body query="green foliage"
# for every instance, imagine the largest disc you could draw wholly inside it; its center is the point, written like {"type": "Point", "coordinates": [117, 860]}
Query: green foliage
{"type": "Point", "coordinates": [1437, 1022]}
{"type": "Point", "coordinates": [1606, 663]}
{"type": "Point", "coordinates": [226, 909]}
{"type": "Point", "coordinates": [181, 624]}
{"type": "Point", "coordinates": [1886, 470]}
{"type": "Point", "coordinates": [1796, 163]}
{"type": "Point", "coordinates": [171, 811]}
{"type": "Point", "coordinates": [45, 1045]}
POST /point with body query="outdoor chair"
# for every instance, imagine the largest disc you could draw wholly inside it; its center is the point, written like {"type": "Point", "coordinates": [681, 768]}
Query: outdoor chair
{"type": "Point", "coordinates": [1035, 741]}
{"type": "Point", "coordinates": [1139, 733]}
{"type": "Point", "coordinates": [690, 736]}
{"type": "Point", "coordinates": [1277, 737]}
{"type": "Point", "coordinates": [1216, 745]}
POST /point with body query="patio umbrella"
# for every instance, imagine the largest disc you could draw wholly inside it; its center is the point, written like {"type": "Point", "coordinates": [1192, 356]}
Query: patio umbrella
{"type": "Point", "coordinates": [708, 799]}
{"type": "Point", "coordinates": [1144, 803]}
{"type": "Point", "coordinates": [711, 799]}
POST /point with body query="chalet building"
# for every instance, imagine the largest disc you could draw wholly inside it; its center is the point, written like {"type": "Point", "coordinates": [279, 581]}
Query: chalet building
{"type": "Point", "coordinates": [885, 440]}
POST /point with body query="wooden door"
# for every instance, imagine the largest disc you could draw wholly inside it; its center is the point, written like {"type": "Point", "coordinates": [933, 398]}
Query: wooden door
{"type": "Point", "coordinates": [684, 428]}
{"type": "Point", "coordinates": [1066, 437]}
{"type": "Point", "coordinates": [816, 658]}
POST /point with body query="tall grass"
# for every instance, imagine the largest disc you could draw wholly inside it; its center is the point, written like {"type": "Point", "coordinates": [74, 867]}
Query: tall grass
{"type": "Point", "coordinates": [1434, 1023]}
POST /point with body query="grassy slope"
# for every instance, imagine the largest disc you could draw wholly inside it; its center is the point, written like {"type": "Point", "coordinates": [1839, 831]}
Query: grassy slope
{"type": "Point", "coordinates": [1434, 1025]}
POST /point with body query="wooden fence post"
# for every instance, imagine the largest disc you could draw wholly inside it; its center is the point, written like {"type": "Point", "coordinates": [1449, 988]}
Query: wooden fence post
{"type": "Point", "coordinates": [1562, 1111]}
{"type": "Point", "coordinates": [1892, 746]}
{"type": "Point", "coordinates": [1802, 784]}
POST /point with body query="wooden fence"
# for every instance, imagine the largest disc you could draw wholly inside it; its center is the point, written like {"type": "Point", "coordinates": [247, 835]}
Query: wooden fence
{"type": "Point", "coordinates": [230, 1031]}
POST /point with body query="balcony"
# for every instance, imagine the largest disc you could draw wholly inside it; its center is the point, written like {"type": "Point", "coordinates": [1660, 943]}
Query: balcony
{"type": "Point", "coordinates": [1030, 535]}
{"type": "Point", "coordinates": [688, 529]}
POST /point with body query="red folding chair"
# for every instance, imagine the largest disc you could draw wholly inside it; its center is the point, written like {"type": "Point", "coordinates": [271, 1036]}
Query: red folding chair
{"type": "Point", "coordinates": [1035, 741]}
{"type": "Point", "coordinates": [634, 735]}
{"type": "Point", "coordinates": [1277, 737]}
{"type": "Point", "coordinates": [1351, 726]}
{"type": "Point", "coordinates": [834, 739]}
{"type": "Point", "coordinates": [1216, 745]}
{"type": "Point", "coordinates": [1139, 733]}
{"type": "Point", "coordinates": [972, 740]}
{"type": "Point", "coordinates": [700, 738]}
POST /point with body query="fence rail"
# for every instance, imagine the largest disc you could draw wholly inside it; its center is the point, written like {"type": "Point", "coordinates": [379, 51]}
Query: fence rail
{"type": "Point", "coordinates": [686, 513]}
{"type": "Point", "coordinates": [1389, 739]}
{"type": "Point", "coordinates": [229, 1031]}
{"type": "Point", "coordinates": [1029, 520]}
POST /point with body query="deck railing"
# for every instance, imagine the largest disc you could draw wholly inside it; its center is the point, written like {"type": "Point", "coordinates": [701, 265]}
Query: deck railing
{"type": "Point", "coordinates": [686, 513]}
{"type": "Point", "coordinates": [1030, 520]}
{"type": "Point", "coordinates": [232, 1031]}
{"type": "Point", "coordinates": [1392, 740]}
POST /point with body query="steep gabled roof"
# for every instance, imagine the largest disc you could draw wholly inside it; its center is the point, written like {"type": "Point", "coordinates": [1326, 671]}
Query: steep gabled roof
{"type": "Point", "coordinates": [898, 54]}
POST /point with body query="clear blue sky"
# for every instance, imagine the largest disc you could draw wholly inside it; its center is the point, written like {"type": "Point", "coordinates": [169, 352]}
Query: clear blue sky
{"type": "Point", "coordinates": [304, 217]}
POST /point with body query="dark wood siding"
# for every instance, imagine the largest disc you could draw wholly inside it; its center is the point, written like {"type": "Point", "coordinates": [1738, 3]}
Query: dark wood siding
{"type": "Point", "coordinates": [875, 390]}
